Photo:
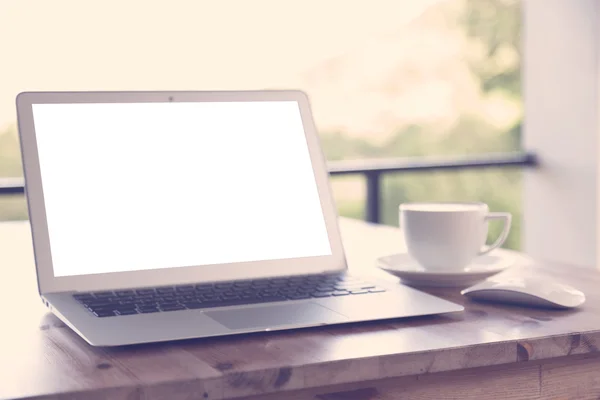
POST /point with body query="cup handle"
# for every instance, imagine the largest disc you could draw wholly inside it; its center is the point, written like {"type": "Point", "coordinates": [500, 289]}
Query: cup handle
{"type": "Point", "coordinates": [507, 218]}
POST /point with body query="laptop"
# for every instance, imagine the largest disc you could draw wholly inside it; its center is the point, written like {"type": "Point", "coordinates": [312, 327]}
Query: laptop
{"type": "Point", "coordinates": [160, 216]}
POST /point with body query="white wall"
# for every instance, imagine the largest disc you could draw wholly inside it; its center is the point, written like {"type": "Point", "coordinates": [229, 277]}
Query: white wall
{"type": "Point", "coordinates": [561, 79]}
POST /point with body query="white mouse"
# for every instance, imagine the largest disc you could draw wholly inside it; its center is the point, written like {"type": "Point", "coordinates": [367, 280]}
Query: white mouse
{"type": "Point", "coordinates": [526, 291]}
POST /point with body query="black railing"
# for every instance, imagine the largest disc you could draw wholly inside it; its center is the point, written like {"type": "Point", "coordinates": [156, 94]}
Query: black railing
{"type": "Point", "coordinates": [12, 186]}
{"type": "Point", "coordinates": [374, 169]}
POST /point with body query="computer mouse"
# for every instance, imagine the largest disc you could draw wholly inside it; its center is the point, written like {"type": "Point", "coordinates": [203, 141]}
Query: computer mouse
{"type": "Point", "coordinates": [529, 291]}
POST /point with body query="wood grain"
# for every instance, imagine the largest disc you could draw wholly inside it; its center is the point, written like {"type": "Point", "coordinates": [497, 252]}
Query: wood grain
{"type": "Point", "coordinates": [40, 356]}
{"type": "Point", "coordinates": [571, 380]}
{"type": "Point", "coordinates": [562, 378]}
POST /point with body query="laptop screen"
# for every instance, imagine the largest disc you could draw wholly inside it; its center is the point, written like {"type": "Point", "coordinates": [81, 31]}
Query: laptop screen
{"type": "Point", "coordinates": [139, 186]}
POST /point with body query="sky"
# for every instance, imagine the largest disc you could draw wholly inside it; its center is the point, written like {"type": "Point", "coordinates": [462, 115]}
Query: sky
{"type": "Point", "coordinates": [181, 44]}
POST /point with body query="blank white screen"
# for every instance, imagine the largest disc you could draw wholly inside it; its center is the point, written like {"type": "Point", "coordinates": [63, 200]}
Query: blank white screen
{"type": "Point", "coordinates": [157, 185]}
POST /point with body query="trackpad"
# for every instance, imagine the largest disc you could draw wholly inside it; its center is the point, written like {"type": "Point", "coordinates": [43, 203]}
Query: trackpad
{"type": "Point", "coordinates": [277, 315]}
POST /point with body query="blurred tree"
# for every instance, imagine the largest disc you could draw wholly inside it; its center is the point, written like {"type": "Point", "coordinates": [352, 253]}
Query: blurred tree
{"type": "Point", "coordinates": [12, 207]}
{"type": "Point", "coordinates": [497, 25]}
{"type": "Point", "coordinates": [493, 28]}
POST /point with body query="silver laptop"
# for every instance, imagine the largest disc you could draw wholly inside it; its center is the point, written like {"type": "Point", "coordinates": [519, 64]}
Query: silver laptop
{"type": "Point", "coordinates": [172, 215]}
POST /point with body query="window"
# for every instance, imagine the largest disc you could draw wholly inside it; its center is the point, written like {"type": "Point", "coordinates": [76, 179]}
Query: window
{"type": "Point", "coordinates": [387, 78]}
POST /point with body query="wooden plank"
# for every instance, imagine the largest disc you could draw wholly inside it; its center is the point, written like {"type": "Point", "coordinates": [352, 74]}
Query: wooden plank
{"type": "Point", "coordinates": [166, 370]}
{"type": "Point", "coordinates": [567, 379]}
{"type": "Point", "coordinates": [262, 363]}
{"type": "Point", "coordinates": [506, 382]}
{"type": "Point", "coordinates": [56, 359]}
{"type": "Point", "coordinates": [573, 377]}
{"type": "Point", "coordinates": [558, 346]}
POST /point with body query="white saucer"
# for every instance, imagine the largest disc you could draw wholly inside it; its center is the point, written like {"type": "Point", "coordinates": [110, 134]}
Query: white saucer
{"type": "Point", "coordinates": [411, 273]}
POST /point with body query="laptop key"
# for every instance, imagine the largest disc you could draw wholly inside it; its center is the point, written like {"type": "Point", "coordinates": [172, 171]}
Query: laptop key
{"type": "Point", "coordinates": [278, 284]}
{"type": "Point", "coordinates": [103, 294]}
{"type": "Point", "coordinates": [165, 290]}
{"type": "Point", "coordinates": [351, 282]}
{"type": "Point", "coordinates": [211, 304]}
{"type": "Point", "coordinates": [112, 299]}
{"type": "Point", "coordinates": [83, 296]}
{"type": "Point", "coordinates": [148, 310]}
{"type": "Point", "coordinates": [172, 308]}
{"type": "Point", "coordinates": [321, 294]}
{"type": "Point", "coordinates": [103, 314]}
{"type": "Point", "coordinates": [168, 304]}
{"type": "Point", "coordinates": [128, 311]}
{"type": "Point", "coordinates": [192, 305]}
{"type": "Point", "coordinates": [110, 307]}
{"type": "Point", "coordinates": [185, 288]}
{"type": "Point", "coordinates": [99, 304]}
{"type": "Point", "coordinates": [298, 296]}
{"type": "Point", "coordinates": [121, 293]}
{"type": "Point", "coordinates": [340, 293]}
{"type": "Point", "coordinates": [146, 306]}
{"type": "Point", "coordinates": [226, 285]}
{"type": "Point", "coordinates": [359, 291]}
{"type": "Point", "coordinates": [268, 299]}
{"type": "Point", "coordinates": [308, 285]}
{"type": "Point", "coordinates": [349, 287]}
{"type": "Point", "coordinates": [145, 291]}
{"type": "Point", "coordinates": [325, 288]}
{"type": "Point", "coordinates": [376, 290]}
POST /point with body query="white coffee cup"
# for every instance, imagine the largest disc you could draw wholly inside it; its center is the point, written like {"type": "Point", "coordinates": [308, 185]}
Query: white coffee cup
{"type": "Point", "coordinates": [448, 236]}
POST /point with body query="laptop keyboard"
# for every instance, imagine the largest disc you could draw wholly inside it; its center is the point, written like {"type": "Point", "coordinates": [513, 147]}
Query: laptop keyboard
{"type": "Point", "coordinates": [221, 294]}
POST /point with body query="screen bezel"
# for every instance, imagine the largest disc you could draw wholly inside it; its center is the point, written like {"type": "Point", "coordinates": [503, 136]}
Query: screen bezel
{"type": "Point", "coordinates": [48, 283]}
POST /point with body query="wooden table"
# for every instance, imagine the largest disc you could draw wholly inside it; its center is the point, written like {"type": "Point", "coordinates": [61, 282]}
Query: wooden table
{"type": "Point", "coordinates": [486, 352]}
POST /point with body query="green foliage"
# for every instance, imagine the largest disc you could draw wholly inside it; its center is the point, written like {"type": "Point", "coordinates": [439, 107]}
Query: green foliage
{"type": "Point", "coordinates": [497, 25]}
{"type": "Point", "coordinates": [10, 158]}
{"type": "Point", "coordinates": [494, 25]}
{"type": "Point", "coordinates": [11, 207]}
